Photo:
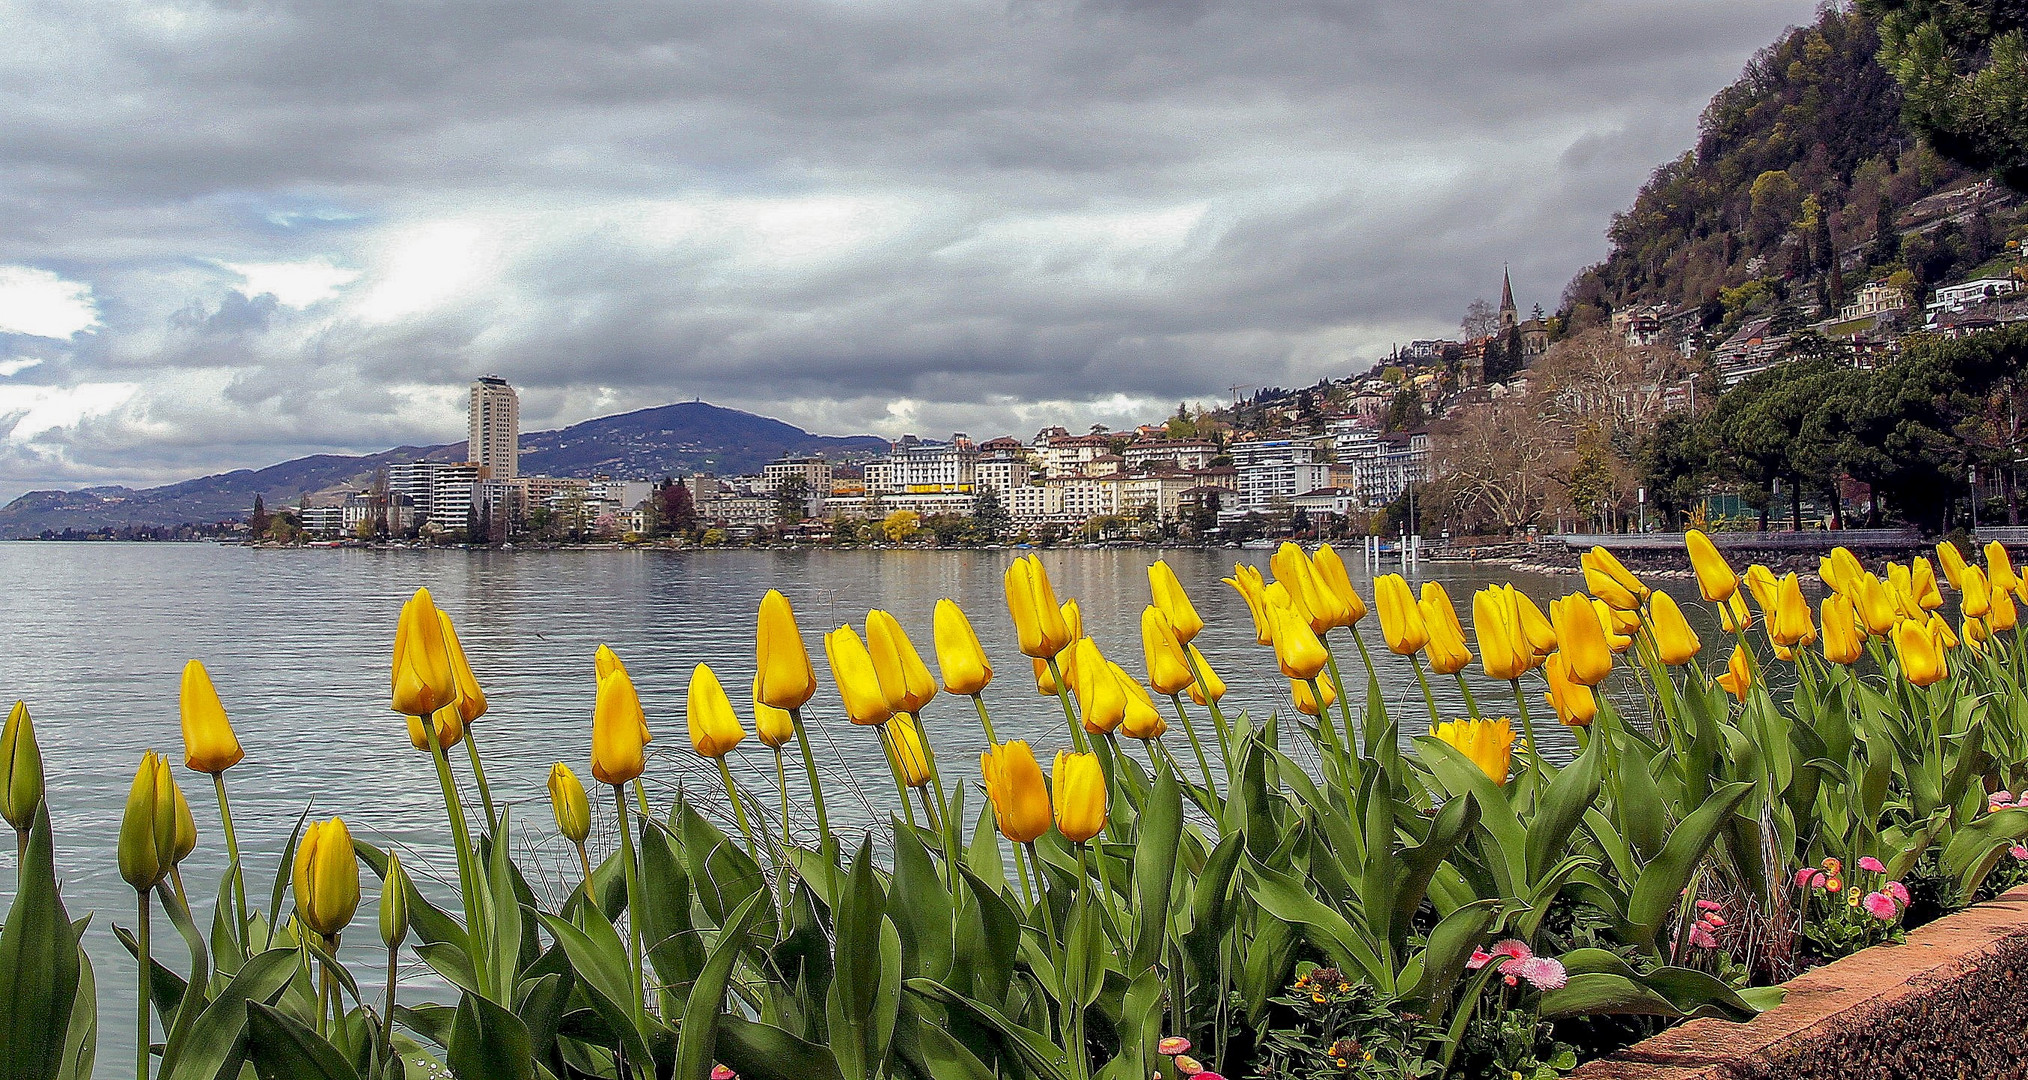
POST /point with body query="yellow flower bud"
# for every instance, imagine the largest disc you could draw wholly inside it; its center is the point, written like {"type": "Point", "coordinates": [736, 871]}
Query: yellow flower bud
{"type": "Point", "coordinates": [1919, 653]}
{"type": "Point", "coordinates": [147, 845]}
{"type": "Point", "coordinates": [1331, 572]}
{"type": "Point", "coordinates": [618, 727]}
{"type": "Point", "coordinates": [1247, 581]}
{"type": "Point", "coordinates": [423, 679]}
{"type": "Point", "coordinates": [1715, 580]}
{"type": "Point", "coordinates": [1306, 704]}
{"type": "Point", "coordinates": [714, 727]}
{"type": "Point", "coordinates": [184, 839]}
{"type": "Point", "coordinates": [471, 700]}
{"type": "Point", "coordinates": [1298, 652]}
{"type": "Point", "coordinates": [1211, 680]}
{"type": "Point", "coordinates": [1080, 796]}
{"type": "Point", "coordinates": [1323, 608]}
{"type": "Point", "coordinates": [1922, 585]}
{"type": "Point", "coordinates": [1977, 601]}
{"type": "Point", "coordinates": [1101, 703]}
{"type": "Point", "coordinates": [1610, 581]}
{"type": "Point", "coordinates": [1038, 621]}
{"type": "Point", "coordinates": [1581, 640]}
{"type": "Point", "coordinates": [1941, 630]}
{"type": "Point", "coordinates": [1674, 640]}
{"type": "Point", "coordinates": [774, 726]}
{"type": "Point", "coordinates": [1790, 624]}
{"type": "Point", "coordinates": [606, 661]}
{"type": "Point", "coordinates": [394, 903]}
{"type": "Point", "coordinates": [1447, 652]}
{"type": "Point", "coordinates": [2005, 614]}
{"type": "Point", "coordinates": [1953, 562]}
{"type": "Point", "coordinates": [326, 877]}
{"type": "Point", "coordinates": [904, 679]}
{"type": "Point", "coordinates": [905, 750]}
{"type": "Point", "coordinates": [1574, 702]}
{"type": "Point", "coordinates": [1734, 615]}
{"type": "Point", "coordinates": [1738, 676]}
{"type": "Point", "coordinates": [1535, 626]}
{"type": "Point", "coordinates": [858, 682]}
{"type": "Point", "coordinates": [20, 770]}
{"type": "Point", "coordinates": [1174, 603]}
{"type": "Point", "coordinates": [1401, 621]}
{"type": "Point", "coordinates": [1015, 786]}
{"type": "Point", "coordinates": [1045, 680]}
{"type": "Point", "coordinates": [786, 679]}
{"type": "Point", "coordinates": [1143, 720]}
{"type": "Point", "coordinates": [2000, 569]}
{"type": "Point", "coordinates": [1874, 604]}
{"type": "Point", "coordinates": [208, 742]}
{"type": "Point", "coordinates": [1764, 585]}
{"type": "Point", "coordinates": [959, 656]}
{"type": "Point", "coordinates": [450, 729]}
{"type": "Point", "coordinates": [1168, 666]}
{"type": "Point", "coordinates": [1488, 743]}
{"type": "Point", "coordinates": [1503, 650]}
{"type": "Point", "coordinates": [568, 802]}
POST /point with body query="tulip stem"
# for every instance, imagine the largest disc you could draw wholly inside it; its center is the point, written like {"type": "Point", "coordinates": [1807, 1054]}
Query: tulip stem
{"type": "Point", "coordinates": [1415, 659]}
{"type": "Point", "coordinates": [584, 862]}
{"type": "Point", "coordinates": [810, 768]}
{"type": "Point", "coordinates": [1217, 715]}
{"type": "Point", "coordinates": [1077, 738]}
{"type": "Point", "coordinates": [1372, 685]}
{"type": "Point", "coordinates": [1324, 723]}
{"type": "Point", "coordinates": [238, 872]}
{"type": "Point", "coordinates": [1471, 703]}
{"type": "Point", "coordinates": [887, 748]}
{"type": "Point", "coordinates": [1021, 873]}
{"type": "Point", "coordinates": [1080, 1059]}
{"type": "Point", "coordinates": [479, 774]}
{"type": "Point", "coordinates": [1197, 747]}
{"type": "Point", "coordinates": [641, 797]}
{"type": "Point", "coordinates": [147, 976]}
{"type": "Point", "coordinates": [1338, 684]}
{"type": "Point", "coordinates": [634, 902]}
{"type": "Point", "coordinates": [1527, 721]}
{"type": "Point", "coordinates": [782, 870]}
{"type": "Point", "coordinates": [738, 810]}
{"type": "Point", "coordinates": [929, 754]}
{"type": "Point", "coordinates": [984, 722]}
{"type": "Point", "coordinates": [1042, 894]}
{"type": "Point", "coordinates": [461, 835]}
{"type": "Point", "coordinates": [387, 1022]}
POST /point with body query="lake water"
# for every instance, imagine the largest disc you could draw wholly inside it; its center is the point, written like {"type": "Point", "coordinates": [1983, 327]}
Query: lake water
{"type": "Point", "coordinates": [94, 637]}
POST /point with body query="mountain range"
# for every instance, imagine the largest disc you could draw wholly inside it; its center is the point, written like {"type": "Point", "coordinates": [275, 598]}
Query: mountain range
{"type": "Point", "coordinates": [669, 440]}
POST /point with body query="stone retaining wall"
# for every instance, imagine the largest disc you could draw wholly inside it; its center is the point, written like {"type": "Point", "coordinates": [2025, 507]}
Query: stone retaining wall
{"type": "Point", "coordinates": [1952, 1002]}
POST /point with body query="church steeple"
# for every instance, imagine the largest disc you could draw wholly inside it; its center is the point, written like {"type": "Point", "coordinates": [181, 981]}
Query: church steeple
{"type": "Point", "coordinates": [1509, 314]}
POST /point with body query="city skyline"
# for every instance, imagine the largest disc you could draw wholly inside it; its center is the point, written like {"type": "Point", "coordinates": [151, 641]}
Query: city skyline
{"type": "Point", "coordinates": [258, 233]}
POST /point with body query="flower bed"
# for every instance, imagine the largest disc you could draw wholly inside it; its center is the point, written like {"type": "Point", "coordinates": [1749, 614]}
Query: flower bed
{"type": "Point", "coordinates": [1952, 1001]}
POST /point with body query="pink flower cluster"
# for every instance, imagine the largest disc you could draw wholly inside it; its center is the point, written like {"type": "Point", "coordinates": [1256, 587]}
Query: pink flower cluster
{"type": "Point", "coordinates": [1515, 961]}
{"type": "Point", "coordinates": [2018, 851]}
{"type": "Point", "coordinates": [1885, 903]}
{"type": "Point", "coordinates": [1178, 1048]}
{"type": "Point", "coordinates": [2001, 800]}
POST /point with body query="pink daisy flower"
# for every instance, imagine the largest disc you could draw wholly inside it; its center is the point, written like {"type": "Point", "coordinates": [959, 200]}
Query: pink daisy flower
{"type": "Point", "coordinates": [1478, 960]}
{"type": "Point", "coordinates": [721, 1072]}
{"type": "Point", "coordinates": [1897, 890]}
{"type": "Point", "coordinates": [1880, 906]}
{"type": "Point", "coordinates": [1542, 972]}
{"type": "Point", "coordinates": [1809, 877]}
{"type": "Point", "coordinates": [1173, 1045]}
{"type": "Point", "coordinates": [1872, 864]}
{"type": "Point", "coordinates": [1701, 938]}
{"type": "Point", "coordinates": [2019, 852]}
{"type": "Point", "coordinates": [1709, 905]}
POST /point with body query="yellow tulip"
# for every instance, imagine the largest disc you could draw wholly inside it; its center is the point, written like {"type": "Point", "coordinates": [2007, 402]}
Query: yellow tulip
{"type": "Point", "coordinates": [2005, 614]}
{"type": "Point", "coordinates": [147, 846]}
{"type": "Point", "coordinates": [606, 661]}
{"type": "Point", "coordinates": [714, 728]}
{"type": "Point", "coordinates": [1488, 743]}
{"type": "Point", "coordinates": [422, 677]}
{"type": "Point", "coordinates": [1331, 572]}
{"type": "Point", "coordinates": [2000, 569]}
{"type": "Point", "coordinates": [774, 726]}
{"type": "Point", "coordinates": [1447, 652]}
{"type": "Point", "coordinates": [1675, 642]}
{"type": "Point", "coordinates": [858, 681]}
{"type": "Point", "coordinates": [1324, 608]}
{"type": "Point", "coordinates": [1841, 630]}
{"type": "Point", "coordinates": [1790, 624]}
{"type": "Point", "coordinates": [471, 701]}
{"type": "Point", "coordinates": [568, 802]}
{"type": "Point", "coordinates": [1765, 588]}
{"type": "Point", "coordinates": [905, 750]}
{"type": "Point", "coordinates": [1247, 581]}
{"type": "Point", "coordinates": [1610, 581]}
{"type": "Point", "coordinates": [1619, 626]}
{"type": "Point", "coordinates": [1738, 676]}
{"type": "Point", "coordinates": [20, 770]}
{"type": "Point", "coordinates": [1535, 626]}
{"type": "Point", "coordinates": [1015, 787]}
{"type": "Point", "coordinates": [208, 742]}
{"type": "Point", "coordinates": [1401, 622]}
{"type": "Point", "coordinates": [1143, 720]}
{"type": "Point", "coordinates": [1581, 640]}
{"type": "Point", "coordinates": [450, 729]}
{"type": "Point", "coordinates": [1168, 665]}
{"type": "Point", "coordinates": [1953, 562]}
{"type": "Point", "coordinates": [1715, 580]}
{"type": "Point", "coordinates": [1919, 653]}
{"type": "Point", "coordinates": [618, 727]}
{"type": "Point", "coordinates": [1101, 704]}
{"type": "Point", "coordinates": [1306, 704]}
{"type": "Point", "coordinates": [1941, 630]}
{"type": "Point", "coordinates": [1901, 584]}
{"type": "Point", "coordinates": [904, 678]}
{"type": "Point", "coordinates": [1734, 615]}
{"type": "Point", "coordinates": [1574, 702]}
{"type": "Point", "coordinates": [1168, 595]}
{"type": "Point", "coordinates": [1080, 796]}
{"type": "Point", "coordinates": [1038, 621]}
{"type": "Point", "coordinates": [960, 658]}
{"type": "Point", "coordinates": [1977, 601]}
{"type": "Point", "coordinates": [1975, 633]}
{"type": "Point", "coordinates": [326, 877]}
{"type": "Point", "coordinates": [394, 890]}
{"type": "Point", "coordinates": [1298, 651]}
{"type": "Point", "coordinates": [786, 679]}
{"type": "Point", "coordinates": [1045, 680]}
{"type": "Point", "coordinates": [1503, 649]}
{"type": "Point", "coordinates": [1211, 680]}
{"type": "Point", "coordinates": [183, 836]}
{"type": "Point", "coordinates": [1875, 605]}
{"type": "Point", "coordinates": [1922, 585]}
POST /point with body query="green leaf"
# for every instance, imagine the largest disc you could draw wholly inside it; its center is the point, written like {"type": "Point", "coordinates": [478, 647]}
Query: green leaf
{"type": "Point", "coordinates": [920, 905]}
{"type": "Point", "coordinates": [1036, 1051]}
{"type": "Point", "coordinates": [1662, 881]}
{"type": "Point", "coordinates": [672, 944]}
{"type": "Point", "coordinates": [1450, 948]}
{"type": "Point", "coordinates": [1286, 898]}
{"type": "Point", "coordinates": [1601, 993]}
{"type": "Point", "coordinates": [603, 971]}
{"type": "Point", "coordinates": [282, 1048]}
{"type": "Point", "coordinates": [856, 967]}
{"type": "Point", "coordinates": [697, 1036]}
{"type": "Point", "coordinates": [489, 1041]}
{"type": "Point", "coordinates": [39, 970]}
{"type": "Point", "coordinates": [1155, 868]}
{"type": "Point", "coordinates": [81, 1038]}
{"type": "Point", "coordinates": [988, 937]}
{"type": "Point", "coordinates": [1419, 864]}
{"type": "Point", "coordinates": [1508, 859]}
{"type": "Point", "coordinates": [757, 1051]}
{"type": "Point", "coordinates": [215, 1045]}
{"type": "Point", "coordinates": [1562, 807]}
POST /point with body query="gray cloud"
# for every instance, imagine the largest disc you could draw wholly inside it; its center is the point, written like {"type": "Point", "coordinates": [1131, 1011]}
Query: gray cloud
{"type": "Point", "coordinates": [306, 226]}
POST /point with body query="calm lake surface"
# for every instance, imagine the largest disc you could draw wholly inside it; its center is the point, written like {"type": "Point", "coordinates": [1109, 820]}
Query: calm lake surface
{"type": "Point", "coordinates": [94, 637]}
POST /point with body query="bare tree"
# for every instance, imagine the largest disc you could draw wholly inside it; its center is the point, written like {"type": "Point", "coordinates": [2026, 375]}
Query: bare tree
{"type": "Point", "coordinates": [1481, 320]}
{"type": "Point", "coordinates": [1498, 464]}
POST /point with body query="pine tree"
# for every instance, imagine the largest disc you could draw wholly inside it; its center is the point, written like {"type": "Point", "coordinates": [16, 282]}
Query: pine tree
{"type": "Point", "coordinates": [257, 523]}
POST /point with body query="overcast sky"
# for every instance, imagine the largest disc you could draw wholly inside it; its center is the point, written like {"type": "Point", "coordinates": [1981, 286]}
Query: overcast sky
{"type": "Point", "coordinates": [237, 233]}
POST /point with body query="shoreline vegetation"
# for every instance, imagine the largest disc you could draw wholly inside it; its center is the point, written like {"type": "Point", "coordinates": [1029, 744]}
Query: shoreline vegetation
{"type": "Point", "coordinates": [1188, 889]}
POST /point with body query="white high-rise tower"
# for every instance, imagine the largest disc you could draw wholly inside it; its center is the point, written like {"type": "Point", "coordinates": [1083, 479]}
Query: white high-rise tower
{"type": "Point", "coordinates": [493, 430]}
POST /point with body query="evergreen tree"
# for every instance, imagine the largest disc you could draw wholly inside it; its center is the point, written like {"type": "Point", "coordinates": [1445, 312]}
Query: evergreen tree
{"type": "Point", "coordinates": [257, 523]}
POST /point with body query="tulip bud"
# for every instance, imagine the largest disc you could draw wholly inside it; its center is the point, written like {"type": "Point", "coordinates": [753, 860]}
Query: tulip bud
{"type": "Point", "coordinates": [1162, 649]}
{"type": "Point", "coordinates": [208, 742]}
{"type": "Point", "coordinates": [1143, 720]}
{"type": "Point", "coordinates": [147, 828]}
{"type": "Point", "coordinates": [1953, 562]}
{"type": "Point", "coordinates": [1874, 604]}
{"type": "Point", "coordinates": [1322, 607]}
{"type": "Point", "coordinates": [568, 802]}
{"type": "Point", "coordinates": [1715, 579]}
{"type": "Point", "coordinates": [1941, 630]}
{"type": "Point", "coordinates": [2000, 569]}
{"type": "Point", "coordinates": [1331, 573]}
{"type": "Point", "coordinates": [1535, 626]}
{"type": "Point", "coordinates": [1247, 581]}
{"type": "Point", "coordinates": [786, 678]}
{"type": "Point", "coordinates": [1581, 640]}
{"type": "Point", "coordinates": [1922, 585]}
{"type": "Point", "coordinates": [326, 877]}
{"type": "Point", "coordinates": [1298, 652]}
{"type": "Point", "coordinates": [1841, 630]}
{"type": "Point", "coordinates": [1790, 625]}
{"type": "Point", "coordinates": [1174, 602]}
{"type": "Point", "coordinates": [1080, 796]}
{"type": "Point", "coordinates": [471, 700]}
{"type": "Point", "coordinates": [960, 658]}
{"type": "Point", "coordinates": [1573, 701]}
{"type": "Point", "coordinates": [858, 683]}
{"type": "Point", "coordinates": [1015, 786]}
{"type": "Point", "coordinates": [1765, 586]}
{"type": "Point", "coordinates": [1045, 680]}
{"type": "Point", "coordinates": [1610, 582]}
{"type": "Point", "coordinates": [1401, 622]}
{"type": "Point", "coordinates": [1446, 647]}
{"type": "Point", "coordinates": [2005, 614]}
{"type": "Point", "coordinates": [1101, 703]}
{"type": "Point", "coordinates": [450, 729]}
{"type": "Point", "coordinates": [606, 661]}
{"type": "Point", "coordinates": [1919, 653]}
{"type": "Point", "coordinates": [618, 730]}
{"type": "Point", "coordinates": [774, 726]}
{"type": "Point", "coordinates": [1503, 651]}
{"type": "Point", "coordinates": [1038, 621]}
{"type": "Point", "coordinates": [423, 679]}
{"type": "Point", "coordinates": [1211, 680]}
{"type": "Point", "coordinates": [1305, 703]}
{"type": "Point", "coordinates": [1977, 601]}
{"type": "Point", "coordinates": [1675, 642]}
{"type": "Point", "coordinates": [1488, 743]}
{"type": "Point", "coordinates": [183, 840]}
{"type": "Point", "coordinates": [714, 727]}
{"type": "Point", "coordinates": [905, 750]}
{"type": "Point", "coordinates": [1738, 676]}
{"type": "Point", "coordinates": [904, 679]}
{"type": "Point", "coordinates": [20, 770]}
{"type": "Point", "coordinates": [394, 903]}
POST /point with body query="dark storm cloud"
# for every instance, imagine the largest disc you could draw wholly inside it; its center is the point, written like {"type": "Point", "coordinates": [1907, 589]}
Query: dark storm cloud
{"type": "Point", "coordinates": [305, 226]}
